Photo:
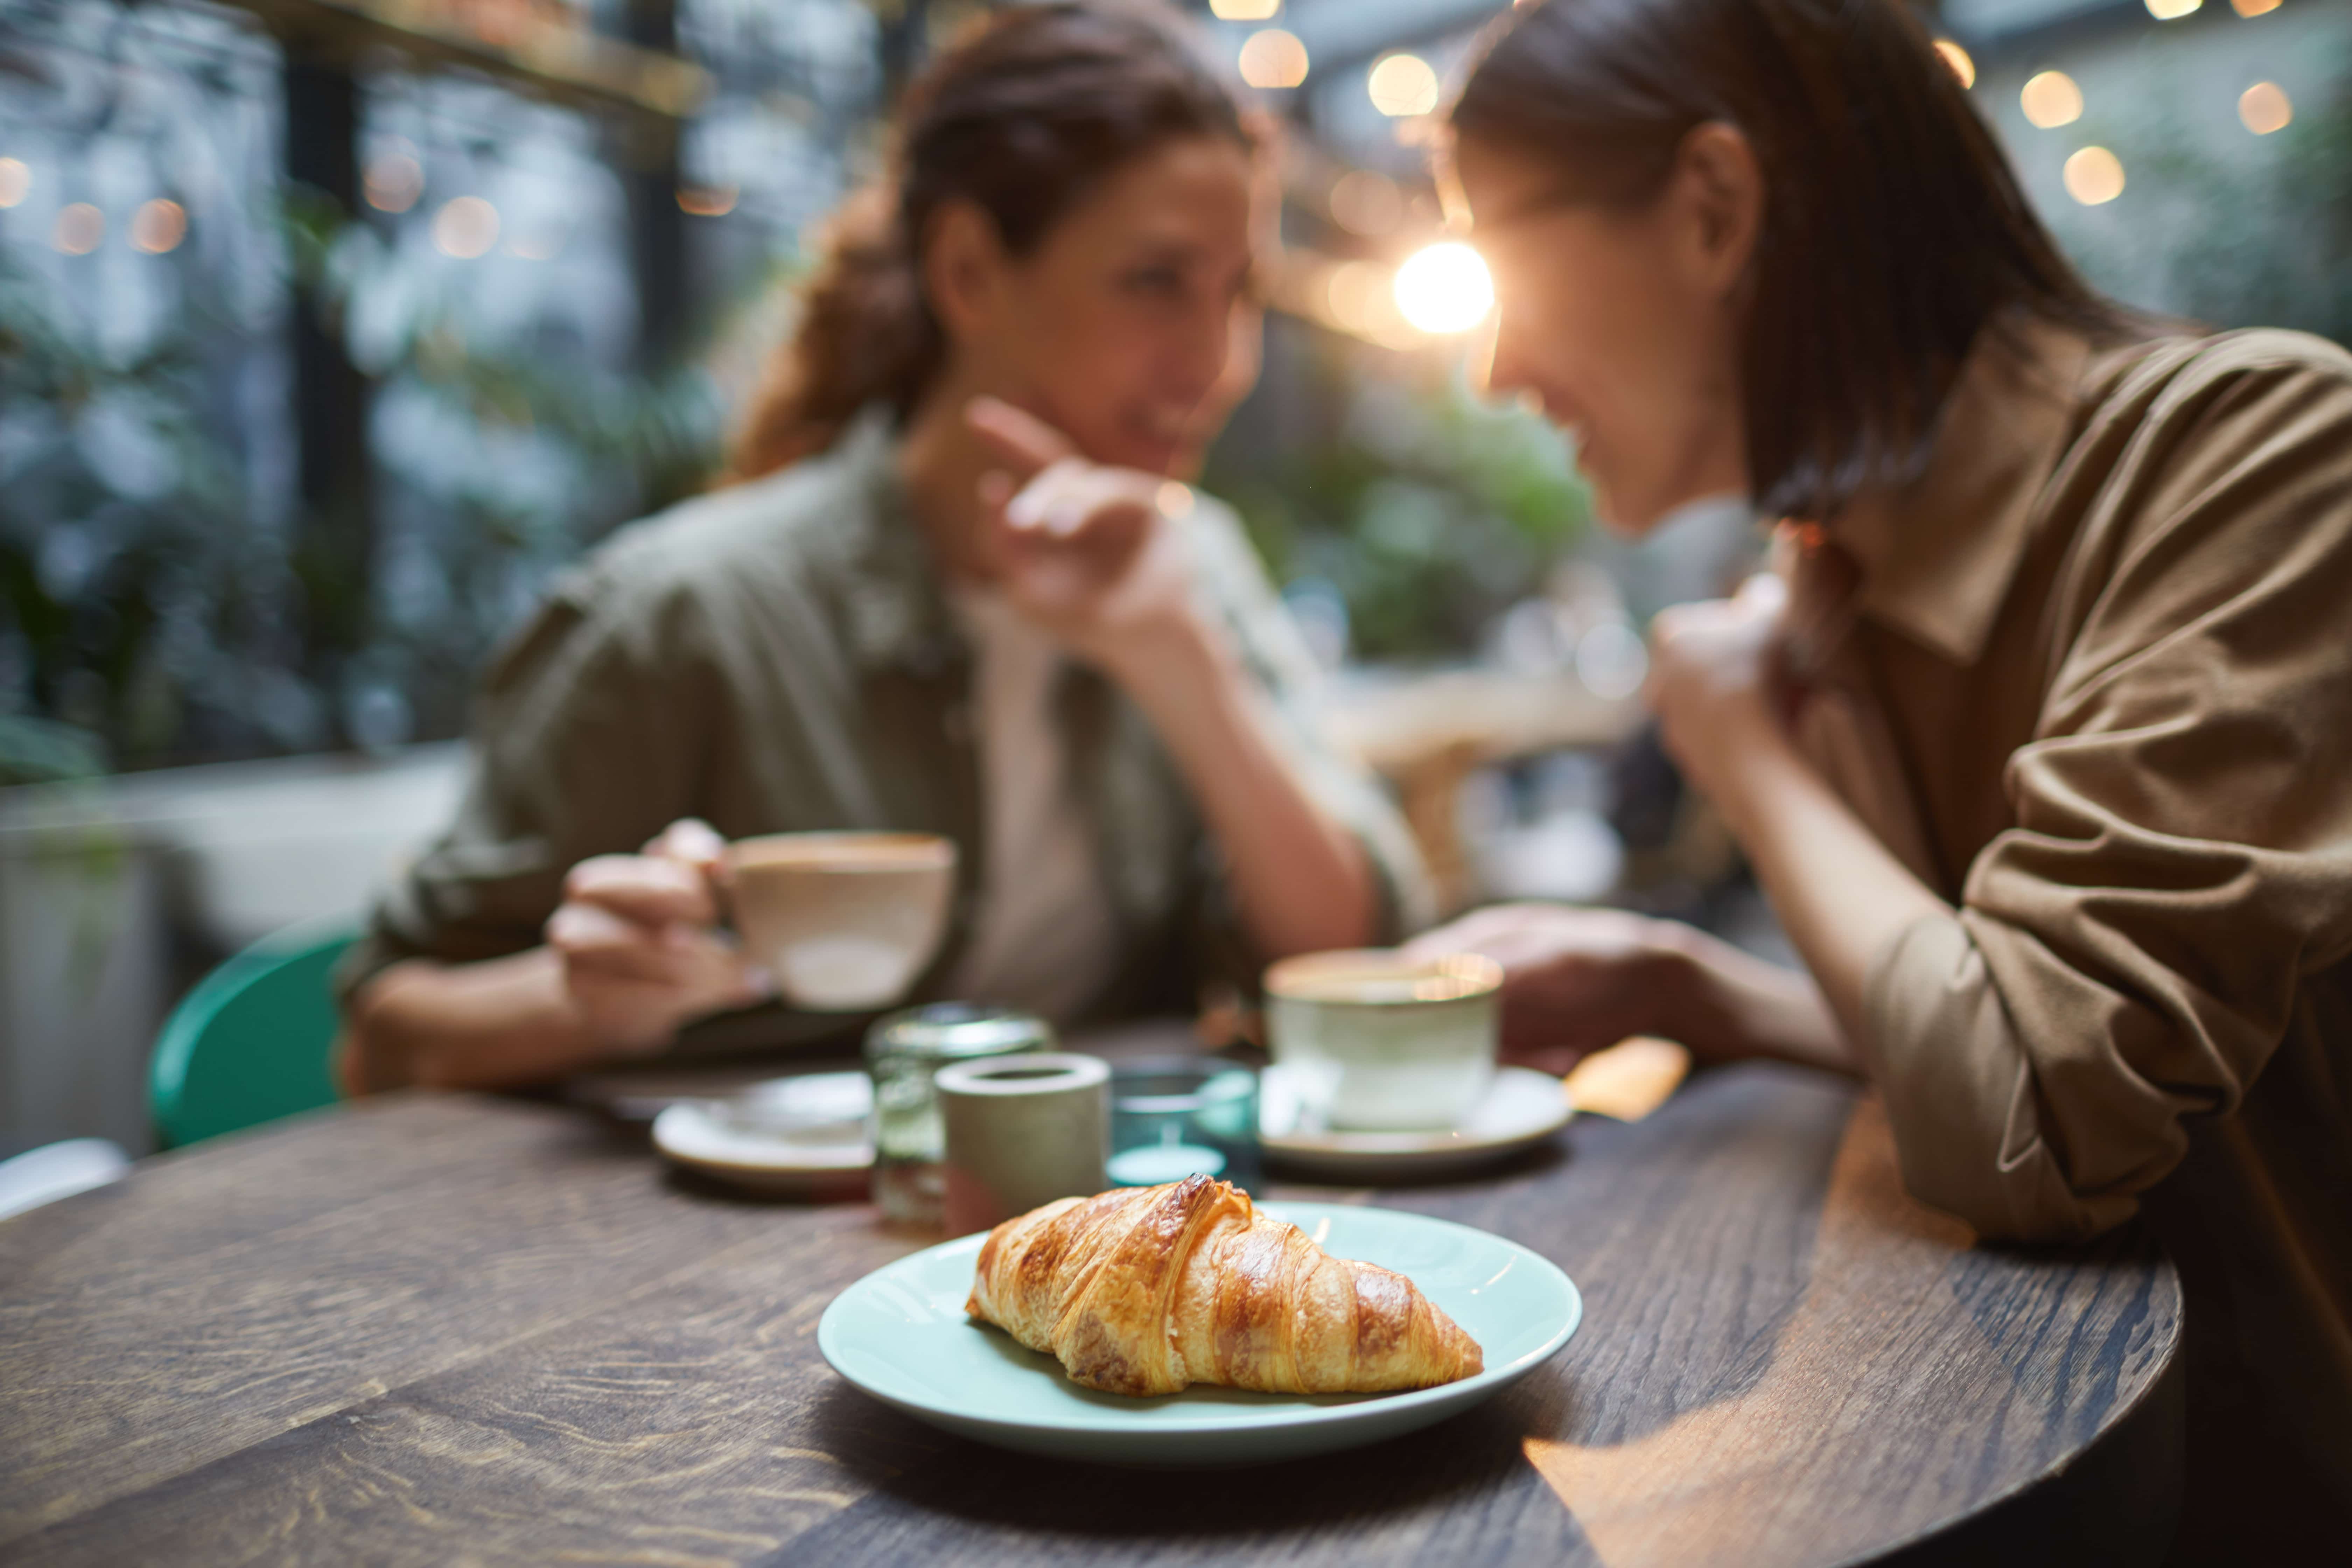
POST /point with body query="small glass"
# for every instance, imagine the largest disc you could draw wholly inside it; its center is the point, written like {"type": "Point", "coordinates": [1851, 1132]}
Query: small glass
{"type": "Point", "coordinates": [904, 1052]}
{"type": "Point", "coordinates": [1171, 1118]}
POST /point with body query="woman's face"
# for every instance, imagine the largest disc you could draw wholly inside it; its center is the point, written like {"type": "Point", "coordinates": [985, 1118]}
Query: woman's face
{"type": "Point", "coordinates": [1132, 326]}
{"type": "Point", "coordinates": [1622, 325]}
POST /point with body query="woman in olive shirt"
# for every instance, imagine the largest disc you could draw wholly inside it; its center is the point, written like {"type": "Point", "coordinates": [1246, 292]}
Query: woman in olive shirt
{"type": "Point", "coordinates": [2041, 739]}
{"type": "Point", "coordinates": [954, 589]}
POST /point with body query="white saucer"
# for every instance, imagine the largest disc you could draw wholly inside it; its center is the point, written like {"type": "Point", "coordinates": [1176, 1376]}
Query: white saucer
{"type": "Point", "coordinates": [1522, 1107]}
{"type": "Point", "coordinates": [786, 1136]}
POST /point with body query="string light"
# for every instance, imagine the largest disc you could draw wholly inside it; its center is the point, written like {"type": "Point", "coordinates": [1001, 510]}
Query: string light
{"type": "Point", "coordinates": [2094, 176]}
{"type": "Point", "coordinates": [158, 226]}
{"type": "Point", "coordinates": [394, 182]}
{"type": "Point", "coordinates": [466, 227]}
{"type": "Point", "coordinates": [1445, 288]}
{"type": "Point", "coordinates": [2171, 10]}
{"type": "Point", "coordinates": [1403, 84]}
{"type": "Point", "coordinates": [1366, 203]}
{"type": "Point", "coordinates": [15, 181]}
{"type": "Point", "coordinates": [2050, 99]}
{"type": "Point", "coordinates": [2264, 108]}
{"type": "Point", "coordinates": [79, 229]}
{"type": "Point", "coordinates": [1958, 59]}
{"type": "Point", "coordinates": [707, 201]}
{"type": "Point", "coordinates": [1244, 10]}
{"type": "Point", "coordinates": [1273, 58]}
{"type": "Point", "coordinates": [2254, 7]}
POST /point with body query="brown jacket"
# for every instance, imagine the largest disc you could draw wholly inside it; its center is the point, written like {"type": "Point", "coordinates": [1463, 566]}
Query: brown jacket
{"type": "Point", "coordinates": [2090, 677]}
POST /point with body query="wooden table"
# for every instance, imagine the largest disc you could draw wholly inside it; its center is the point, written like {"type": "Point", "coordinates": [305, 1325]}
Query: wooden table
{"type": "Point", "coordinates": [461, 1329]}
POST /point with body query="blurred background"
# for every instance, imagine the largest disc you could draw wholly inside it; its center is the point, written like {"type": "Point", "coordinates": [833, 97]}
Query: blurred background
{"type": "Point", "coordinates": [329, 327]}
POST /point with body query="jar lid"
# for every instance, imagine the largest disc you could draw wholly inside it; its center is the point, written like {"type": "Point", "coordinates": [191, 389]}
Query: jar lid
{"type": "Point", "coordinates": [947, 1031]}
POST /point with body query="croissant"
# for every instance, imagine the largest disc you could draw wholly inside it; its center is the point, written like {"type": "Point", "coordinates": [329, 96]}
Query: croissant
{"type": "Point", "coordinates": [1142, 1290]}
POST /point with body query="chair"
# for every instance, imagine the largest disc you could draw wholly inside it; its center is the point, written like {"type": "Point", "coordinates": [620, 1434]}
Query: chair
{"type": "Point", "coordinates": [251, 1042]}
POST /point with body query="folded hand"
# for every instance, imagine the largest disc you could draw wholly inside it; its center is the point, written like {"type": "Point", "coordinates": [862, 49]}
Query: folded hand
{"type": "Point", "coordinates": [1575, 981]}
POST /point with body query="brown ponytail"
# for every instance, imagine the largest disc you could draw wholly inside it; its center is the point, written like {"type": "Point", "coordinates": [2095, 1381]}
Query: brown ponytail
{"type": "Point", "coordinates": [1023, 117]}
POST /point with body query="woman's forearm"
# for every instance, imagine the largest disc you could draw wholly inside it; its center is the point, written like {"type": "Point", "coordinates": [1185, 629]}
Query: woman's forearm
{"type": "Point", "coordinates": [1725, 1004]}
{"type": "Point", "coordinates": [1303, 882]}
{"type": "Point", "coordinates": [1840, 893]}
{"type": "Point", "coordinates": [490, 1025]}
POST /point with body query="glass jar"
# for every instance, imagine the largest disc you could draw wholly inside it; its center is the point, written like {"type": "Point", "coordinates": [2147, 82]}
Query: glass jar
{"type": "Point", "coordinates": [1173, 1118]}
{"type": "Point", "coordinates": [904, 1052]}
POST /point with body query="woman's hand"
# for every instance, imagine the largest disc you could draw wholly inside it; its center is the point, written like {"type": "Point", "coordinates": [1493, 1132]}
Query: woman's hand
{"type": "Point", "coordinates": [1714, 683]}
{"type": "Point", "coordinates": [638, 938]}
{"type": "Point", "coordinates": [1575, 981]}
{"type": "Point", "coordinates": [1085, 551]}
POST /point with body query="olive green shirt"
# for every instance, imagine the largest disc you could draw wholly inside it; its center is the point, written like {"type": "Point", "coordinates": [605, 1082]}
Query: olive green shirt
{"type": "Point", "coordinates": [2091, 678]}
{"type": "Point", "coordinates": [780, 657]}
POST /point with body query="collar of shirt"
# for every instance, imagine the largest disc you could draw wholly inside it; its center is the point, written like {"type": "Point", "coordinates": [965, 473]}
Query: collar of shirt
{"type": "Point", "coordinates": [1935, 556]}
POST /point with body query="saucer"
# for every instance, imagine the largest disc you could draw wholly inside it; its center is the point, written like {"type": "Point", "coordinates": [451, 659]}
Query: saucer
{"type": "Point", "coordinates": [1522, 1107]}
{"type": "Point", "coordinates": [789, 1136]}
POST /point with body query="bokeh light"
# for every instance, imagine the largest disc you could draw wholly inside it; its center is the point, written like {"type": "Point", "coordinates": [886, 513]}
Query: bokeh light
{"type": "Point", "coordinates": [159, 226]}
{"type": "Point", "coordinates": [707, 201]}
{"type": "Point", "coordinates": [2254, 7]}
{"type": "Point", "coordinates": [1362, 297]}
{"type": "Point", "coordinates": [1403, 84]}
{"type": "Point", "coordinates": [79, 229]}
{"type": "Point", "coordinates": [2095, 175]}
{"type": "Point", "coordinates": [2171, 10]}
{"type": "Point", "coordinates": [466, 227]}
{"type": "Point", "coordinates": [15, 181]}
{"type": "Point", "coordinates": [2050, 99]}
{"type": "Point", "coordinates": [1958, 59]}
{"type": "Point", "coordinates": [2264, 108]}
{"type": "Point", "coordinates": [394, 182]}
{"type": "Point", "coordinates": [1445, 288]}
{"type": "Point", "coordinates": [1273, 58]}
{"type": "Point", "coordinates": [1366, 203]}
{"type": "Point", "coordinates": [1244, 10]}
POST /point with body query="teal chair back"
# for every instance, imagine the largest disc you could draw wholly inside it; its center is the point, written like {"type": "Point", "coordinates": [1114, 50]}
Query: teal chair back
{"type": "Point", "coordinates": [251, 1042]}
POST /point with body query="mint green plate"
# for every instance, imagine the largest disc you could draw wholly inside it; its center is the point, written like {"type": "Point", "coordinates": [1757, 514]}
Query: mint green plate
{"type": "Point", "coordinates": [900, 1334]}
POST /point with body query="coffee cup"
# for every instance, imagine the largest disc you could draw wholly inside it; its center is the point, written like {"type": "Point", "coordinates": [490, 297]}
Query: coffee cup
{"type": "Point", "coordinates": [1372, 1041]}
{"type": "Point", "coordinates": [843, 921]}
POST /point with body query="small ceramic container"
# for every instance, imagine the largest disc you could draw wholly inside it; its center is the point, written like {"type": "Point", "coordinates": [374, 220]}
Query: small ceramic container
{"type": "Point", "coordinates": [1376, 1042]}
{"type": "Point", "coordinates": [844, 921]}
{"type": "Point", "coordinates": [1021, 1132]}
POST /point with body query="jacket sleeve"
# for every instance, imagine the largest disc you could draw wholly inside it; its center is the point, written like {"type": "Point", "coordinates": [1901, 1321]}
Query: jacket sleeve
{"type": "Point", "coordinates": [587, 740]}
{"type": "Point", "coordinates": [1276, 658]}
{"type": "Point", "coordinates": [2128, 956]}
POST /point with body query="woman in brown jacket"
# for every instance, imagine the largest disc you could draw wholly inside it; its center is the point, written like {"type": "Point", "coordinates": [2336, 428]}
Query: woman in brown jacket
{"type": "Point", "coordinates": [2041, 738]}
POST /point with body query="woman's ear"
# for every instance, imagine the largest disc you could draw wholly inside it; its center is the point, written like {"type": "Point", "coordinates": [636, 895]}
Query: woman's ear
{"type": "Point", "coordinates": [1720, 187]}
{"type": "Point", "coordinates": [964, 269]}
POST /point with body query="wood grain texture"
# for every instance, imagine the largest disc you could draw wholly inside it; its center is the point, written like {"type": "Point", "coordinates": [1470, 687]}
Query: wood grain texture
{"type": "Point", "coordinates": [468, 1330]}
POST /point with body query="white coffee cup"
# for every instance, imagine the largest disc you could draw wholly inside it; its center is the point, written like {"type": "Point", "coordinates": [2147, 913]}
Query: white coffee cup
{"type": "Point", "coordinates": [1372, 1041]}
{"type": "Point", "coordinates": [844, 921]}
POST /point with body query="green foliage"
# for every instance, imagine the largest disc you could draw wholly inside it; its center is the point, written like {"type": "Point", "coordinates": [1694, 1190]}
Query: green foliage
{"type": "Point", "coordinates": [1431, 510]}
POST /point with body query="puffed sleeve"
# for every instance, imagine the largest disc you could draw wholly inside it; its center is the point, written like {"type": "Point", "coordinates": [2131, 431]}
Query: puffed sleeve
{"type": "Point", "coordinates": [589, 736]}
{"type": "Point", "coordinates": [2128, 956]}
{"type": "Point", "coordinates": [1235, 586]}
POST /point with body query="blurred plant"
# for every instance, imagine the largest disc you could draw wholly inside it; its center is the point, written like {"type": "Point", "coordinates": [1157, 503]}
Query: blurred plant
{"type": "Point", "coordinates": [1430, 512]}
{"type": "Point", "coordinates": [2260, 236]}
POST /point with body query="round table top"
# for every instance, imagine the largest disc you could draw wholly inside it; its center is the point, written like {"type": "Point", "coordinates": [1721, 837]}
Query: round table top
{"type": "Point", "coordinates": [429, 1327]}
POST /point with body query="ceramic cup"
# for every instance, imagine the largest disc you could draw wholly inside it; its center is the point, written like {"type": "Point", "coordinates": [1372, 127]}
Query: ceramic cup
{"type": "Point", "coordinates": [844, 921]}
{"type": "Point", "coordinates": [1379, 1043]}
{"type": "Point", "coordinates": [1021, 1132]}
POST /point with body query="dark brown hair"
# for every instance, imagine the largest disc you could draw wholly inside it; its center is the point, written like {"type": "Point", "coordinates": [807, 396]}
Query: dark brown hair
{"type": "Point", "coordinates": [1894, 230]}
{"type": "Point", "coordinates": [1025, 116]}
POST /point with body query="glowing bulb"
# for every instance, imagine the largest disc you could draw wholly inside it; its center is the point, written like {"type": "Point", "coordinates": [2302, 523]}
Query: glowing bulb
{"type": "Point", "coordinates": [15, 181]}
{"type": "Point", "coordinates": [394, 183]}
{"type": "Point", "coordinates": [2050, 99]}
{"type": "Point", "coordinates": [1244, 10]}
{"type": "Point", "coordinates": [1366, 203]}
{"type": "Point", "coordinates": [2095, 175]}
{"type": "Point", "coordinates": [1958, 59]}
{"type": "Point", "coordinates": [707, 201]}
{"type": "Point", "coordinates": [159, 226]}
{"type": "Point", "coordinates": [1445, 288]}
{"type": "Point", "coordinates": [2171, 10]}
{"type": "Point", "coordinates": [2254, 7]}
{"type": "Point", "coordinates": [1403, 84]}
{"type": "Point", "coordinates": [466, 227]}
{"type": "Point", "coordinates": [1273, 58]}
{"type": "Point", "coordinates": [79, 229]}
{"type": "Point", "coordinates": [2264, 108]}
